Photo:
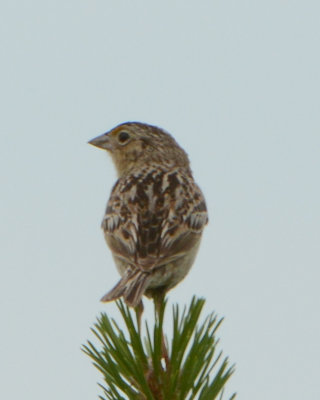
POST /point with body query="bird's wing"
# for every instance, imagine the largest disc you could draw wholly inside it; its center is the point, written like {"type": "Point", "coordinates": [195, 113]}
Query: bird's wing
{"type": "Point", "coordinates": [154, 217]}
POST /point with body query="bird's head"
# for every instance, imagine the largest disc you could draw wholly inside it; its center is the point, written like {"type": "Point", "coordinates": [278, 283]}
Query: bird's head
{"type": "Point", "coordinates": [134, 145]}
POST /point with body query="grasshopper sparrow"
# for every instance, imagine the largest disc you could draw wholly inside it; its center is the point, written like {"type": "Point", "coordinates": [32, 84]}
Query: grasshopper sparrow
{"type": "Point", "coordinates": [155, 214]}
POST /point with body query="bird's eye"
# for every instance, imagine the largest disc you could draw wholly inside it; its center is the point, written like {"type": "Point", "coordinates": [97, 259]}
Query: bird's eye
{"type": "Point", "coordinates": [123, 137]}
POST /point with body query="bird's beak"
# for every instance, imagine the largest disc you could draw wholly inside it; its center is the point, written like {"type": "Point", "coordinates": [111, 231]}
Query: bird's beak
{"type": "Point", "coordinates": [102, 141]}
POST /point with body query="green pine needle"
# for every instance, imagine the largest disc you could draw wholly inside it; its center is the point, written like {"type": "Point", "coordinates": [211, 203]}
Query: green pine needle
{"type": "Point", "coordinates": [148, 368]}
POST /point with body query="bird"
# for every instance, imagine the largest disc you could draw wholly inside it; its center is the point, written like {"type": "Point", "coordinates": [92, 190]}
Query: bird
{"type": "Point", "coordinates": [155, 215]}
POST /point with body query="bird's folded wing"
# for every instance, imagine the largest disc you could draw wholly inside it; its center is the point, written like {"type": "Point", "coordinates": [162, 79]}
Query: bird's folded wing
{"type": "Point", "coordinates": [148, 236]}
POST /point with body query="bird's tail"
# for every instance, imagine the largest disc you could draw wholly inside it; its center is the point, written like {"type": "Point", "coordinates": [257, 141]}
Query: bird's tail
{"type": "Point", "coordinates": [131, 287]}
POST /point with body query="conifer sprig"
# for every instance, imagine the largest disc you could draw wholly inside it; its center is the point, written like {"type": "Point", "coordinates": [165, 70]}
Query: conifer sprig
{"type": "Point", "coordinates": [186, 367]}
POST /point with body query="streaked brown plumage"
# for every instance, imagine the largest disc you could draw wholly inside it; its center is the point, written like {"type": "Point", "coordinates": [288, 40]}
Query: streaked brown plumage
{"type": "Point", "coordinates": [156, 213]}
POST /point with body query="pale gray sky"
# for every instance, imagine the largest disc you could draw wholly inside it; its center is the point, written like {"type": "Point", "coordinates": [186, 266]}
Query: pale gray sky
{"type": "Point", "coordinates": [237, 83]}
